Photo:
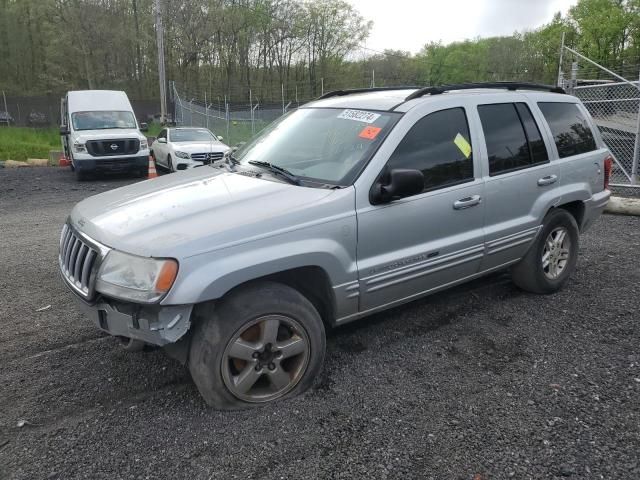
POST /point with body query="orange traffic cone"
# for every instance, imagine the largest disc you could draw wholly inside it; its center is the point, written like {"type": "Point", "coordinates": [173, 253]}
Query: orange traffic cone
{"type": "Point", "coordinates": [64, 161]}
{"type": "Point", "coordinates": [152, 168]}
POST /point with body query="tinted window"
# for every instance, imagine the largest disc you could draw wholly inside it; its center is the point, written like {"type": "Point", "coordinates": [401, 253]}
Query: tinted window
{"type": "Point", "coordinates": [439, 145]}
{"type": "Point", "coordinates": [570, 128]}
{"type": "Point", "coordinates": [507, 135]}
{"type": "Point", "coordinates": [537, 148]}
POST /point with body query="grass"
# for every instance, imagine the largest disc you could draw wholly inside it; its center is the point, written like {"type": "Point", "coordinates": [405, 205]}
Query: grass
{"type": "Point", "coordinates": [20, 143]}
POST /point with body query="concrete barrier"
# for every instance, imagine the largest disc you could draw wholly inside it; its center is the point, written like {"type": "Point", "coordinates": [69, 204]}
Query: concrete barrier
{"type": "Point", "coordinates": [38, 162]}
{"type": "Point", "coordinates": [623, 206]}
{"type": "Point", "coordinates": [14, 164]}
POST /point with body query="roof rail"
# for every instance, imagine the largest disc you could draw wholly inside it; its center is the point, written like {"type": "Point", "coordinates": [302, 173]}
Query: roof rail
{"type": "Point", "coordinates": [351, 91]}
{"type": "Point", "coordinates": [470, 86]}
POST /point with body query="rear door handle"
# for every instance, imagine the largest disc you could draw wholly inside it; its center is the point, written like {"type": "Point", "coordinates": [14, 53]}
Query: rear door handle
{"type": "Point", "coordinates": [467, 202]}
{"type": "Point", "coordinates": [548, 180]}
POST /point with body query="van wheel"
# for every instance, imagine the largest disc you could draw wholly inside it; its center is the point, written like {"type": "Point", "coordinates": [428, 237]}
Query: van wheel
{"type": "Point", "coordinates": [81, 176]}
{"type": "Point", "coordinates": [551, 259]}
{"type": "Point", "coordinates": [261, 343]}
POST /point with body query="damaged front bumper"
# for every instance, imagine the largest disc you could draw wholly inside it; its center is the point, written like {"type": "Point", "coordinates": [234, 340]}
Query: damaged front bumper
{"type": "Point", "coordinates": [154, 324]}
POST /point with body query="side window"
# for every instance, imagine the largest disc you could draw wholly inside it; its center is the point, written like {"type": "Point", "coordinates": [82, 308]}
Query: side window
{"type": "Point", "coordinates": [162, 134]}
{"type": "Point", "coordinates": [439, 145]}
{"type": "Point", "coordinates": [512, 136]}
{"type": "Point", "coordinates": [570, 128]}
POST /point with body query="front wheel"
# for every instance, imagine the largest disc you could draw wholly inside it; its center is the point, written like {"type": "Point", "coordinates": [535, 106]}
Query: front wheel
{"type": "Point", "coordinates": [262, 343]}
{"type": "Point", "coordinates": [169, 164]}
{"type": "Point", "coordinates": [552, 258]}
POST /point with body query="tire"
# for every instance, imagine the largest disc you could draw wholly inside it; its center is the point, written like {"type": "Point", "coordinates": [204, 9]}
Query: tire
{"type": "Point", "coordinates": [532, 273]}
{"type": "Point", "coordinates": [266, 333]}
{"type": "Point", "coordinates": [169, 164]}
{"type": "Point", "coordinates": [81, 176]}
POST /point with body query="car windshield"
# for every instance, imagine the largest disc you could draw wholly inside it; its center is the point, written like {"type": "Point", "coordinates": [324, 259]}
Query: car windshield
{"type": "Point", "coordinates": [191, 135]}
{"type": "Point", "coordinates": [103, 120]}
{"type": "Point", "coordinates": [328, 145]}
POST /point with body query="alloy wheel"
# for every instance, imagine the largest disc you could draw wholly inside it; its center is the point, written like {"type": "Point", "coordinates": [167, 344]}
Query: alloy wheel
{"type": "Point", "coordinates": [556, 253]}
{"type": "Point", "coordinates": [266, 358]}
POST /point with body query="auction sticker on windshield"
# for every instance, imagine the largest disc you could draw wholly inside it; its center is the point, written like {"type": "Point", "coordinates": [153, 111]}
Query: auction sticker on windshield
{"type": "Point", "coordinates": [359, 116]}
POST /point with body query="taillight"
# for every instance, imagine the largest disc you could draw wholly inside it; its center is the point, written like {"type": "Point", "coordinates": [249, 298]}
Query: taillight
{"type": "Point", "coordinates": [608, 165]}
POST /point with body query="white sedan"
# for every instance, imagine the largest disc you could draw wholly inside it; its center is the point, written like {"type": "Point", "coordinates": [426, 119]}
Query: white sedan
{"type": "Point", "coordinates": [181, 148]}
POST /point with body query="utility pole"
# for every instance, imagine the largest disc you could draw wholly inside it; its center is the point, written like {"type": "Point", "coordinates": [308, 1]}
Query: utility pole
{"type": "Point", "coordinates": [161, 70]}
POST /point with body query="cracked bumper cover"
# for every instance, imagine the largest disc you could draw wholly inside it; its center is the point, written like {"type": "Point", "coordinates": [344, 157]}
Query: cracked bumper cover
{"type": "Point", "coordinates": [154, 324]}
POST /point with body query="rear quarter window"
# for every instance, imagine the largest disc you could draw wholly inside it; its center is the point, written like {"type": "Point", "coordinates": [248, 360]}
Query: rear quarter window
{"type": "Point", "coordinates": [570, 128]}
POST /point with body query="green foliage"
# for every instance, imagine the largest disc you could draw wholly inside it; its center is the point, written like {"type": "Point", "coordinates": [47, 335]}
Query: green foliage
{"type": "Point", "coordinates": [223, 48]}
{"type": "Point", "coordinates": [17, 143]}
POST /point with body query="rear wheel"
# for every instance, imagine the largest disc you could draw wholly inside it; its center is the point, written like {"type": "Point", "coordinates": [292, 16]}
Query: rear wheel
{"type": "Point", "coordinates": [550, 261]}
{"type": "Point", "coordinates": [262, 343]}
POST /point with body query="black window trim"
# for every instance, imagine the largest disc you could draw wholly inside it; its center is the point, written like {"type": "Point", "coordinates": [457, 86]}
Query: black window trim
{"type": "Point", "coordinates": [473, 178]}
{"type": "Point", "coordinates": [526, 136]}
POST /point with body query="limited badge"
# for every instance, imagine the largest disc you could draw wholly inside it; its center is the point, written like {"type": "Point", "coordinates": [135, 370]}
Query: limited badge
{"type": "Point", "coordinates": [463, 145]}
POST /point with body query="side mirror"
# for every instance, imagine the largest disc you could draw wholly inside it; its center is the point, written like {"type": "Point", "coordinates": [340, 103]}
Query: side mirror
{"type": "Point", "coordinates": [144, 127]}
{"type": "Point", "coordinates": [64, 130]}
{"type": "Point", "coordinates": [397, 184]}
{"type": "Point", "coordinates": [220, 138]}
{"type": "Point", "coordinates": [161, 140]}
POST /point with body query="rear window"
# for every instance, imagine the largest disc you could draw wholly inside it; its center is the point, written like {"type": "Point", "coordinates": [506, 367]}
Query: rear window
{"type": "Point", "coordinates": [570, 128]}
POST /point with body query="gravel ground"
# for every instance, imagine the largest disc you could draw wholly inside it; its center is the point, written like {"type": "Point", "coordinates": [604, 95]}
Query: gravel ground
{"type": "Point", "coordinates": [481, 382]}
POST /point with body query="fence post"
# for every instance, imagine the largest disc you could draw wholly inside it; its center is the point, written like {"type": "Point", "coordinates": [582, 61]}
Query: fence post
{"type": "Point", "coordinates": [251, 108]}
{"type": "Point", "coordinates": [226, 116]}
{"type": "Point", "coordinates": [282, 90]}
{"type": "Point", "coordinates": [206, 110]}
{"type": "Point", "coordinates": [636, 149]}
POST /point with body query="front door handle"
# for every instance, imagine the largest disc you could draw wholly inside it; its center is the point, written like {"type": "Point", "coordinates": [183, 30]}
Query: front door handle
{"type": "Point", "coordinates": [548, 180]}
{"type": "Point", "coordinates": [467, 202]}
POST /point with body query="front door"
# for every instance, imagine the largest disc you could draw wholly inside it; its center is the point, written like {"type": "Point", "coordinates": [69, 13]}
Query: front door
{"type": "Point", "coordinates": [415, 245]}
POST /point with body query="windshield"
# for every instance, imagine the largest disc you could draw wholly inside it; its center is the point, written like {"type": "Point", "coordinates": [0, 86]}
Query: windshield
{"type": "Point", "coordinates": [323, 144]}
{"type": "Point", "coordinates": [195, 135]}
{"type": "Point", "coordinates": [102, 120]}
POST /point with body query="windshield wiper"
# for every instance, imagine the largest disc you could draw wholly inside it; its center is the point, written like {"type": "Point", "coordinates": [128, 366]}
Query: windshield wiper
{"type": "Point", "coordinates": [283, 172]}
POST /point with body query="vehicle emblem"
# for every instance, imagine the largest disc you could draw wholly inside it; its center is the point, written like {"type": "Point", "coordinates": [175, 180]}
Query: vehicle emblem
{"type": "Point", "coordinates": [114, 146]}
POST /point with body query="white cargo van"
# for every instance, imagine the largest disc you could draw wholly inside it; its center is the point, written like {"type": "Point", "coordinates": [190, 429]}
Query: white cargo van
{"type": "Point", "coordinates": [100, 133]}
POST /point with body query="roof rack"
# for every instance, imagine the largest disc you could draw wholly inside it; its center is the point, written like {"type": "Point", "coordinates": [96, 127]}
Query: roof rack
{"type": "Point", "coordinates": [351, 91]}
{"type": "Point", "coordinates": [470, 86]}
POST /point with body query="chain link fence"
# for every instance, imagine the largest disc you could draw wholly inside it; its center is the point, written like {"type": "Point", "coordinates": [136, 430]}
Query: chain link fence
{"type": "Point", "coordinates": [235, 122]}
{"type": "Point", "coordinates": [612, 96]}
{"type": "Point", "coordinates": [615, 108]}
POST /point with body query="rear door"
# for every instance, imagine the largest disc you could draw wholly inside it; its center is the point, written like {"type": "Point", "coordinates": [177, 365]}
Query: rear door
{"type": "Point", "coordinates": [415, 245]}
{"type": "Point", "coordinates": [580, 157]}
{"type": "Point", "coordinates": [520, 179]}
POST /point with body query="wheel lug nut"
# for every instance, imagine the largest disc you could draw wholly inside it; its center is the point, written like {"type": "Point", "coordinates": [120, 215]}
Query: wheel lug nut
{"type": "Point", "coordinates": [272, 366]}
{"type": "Point", "coordinates": [255, 355]}
{"type": "Point", "coordinates": [258, 367]}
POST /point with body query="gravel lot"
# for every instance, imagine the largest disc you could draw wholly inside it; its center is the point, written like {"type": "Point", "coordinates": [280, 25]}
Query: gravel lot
{"type": "Point", "coordinates": [481, 382]}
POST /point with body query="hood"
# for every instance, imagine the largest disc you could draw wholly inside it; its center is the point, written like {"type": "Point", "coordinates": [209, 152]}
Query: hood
{"type": "Point", "coordinates": [200, 147]}
{"type": "Point", "coordinates": [107, 134]}
{"type": "Point", "coordinates": [195, 211]}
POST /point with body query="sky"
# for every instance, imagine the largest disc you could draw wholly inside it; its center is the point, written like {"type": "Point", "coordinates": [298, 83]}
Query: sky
{"type": "Point", "coordinates": [408, 25]}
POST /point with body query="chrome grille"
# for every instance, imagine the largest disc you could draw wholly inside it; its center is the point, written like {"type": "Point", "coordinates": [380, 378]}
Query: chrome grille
{"type": "Point", "coordinates": [77, 260]}
{"type": "Point", "coordinates": [207, 158]}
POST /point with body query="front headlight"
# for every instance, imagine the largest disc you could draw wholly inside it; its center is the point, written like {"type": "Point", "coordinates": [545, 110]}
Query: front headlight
{"type": "Point", "coordinates": [79, 147]}
{"type": "Point", "coordinates": [183, 155]}
{"type": "Point", "coordinates": [138, 279]}
{"type": "Point", "coordinates": [144, 144]}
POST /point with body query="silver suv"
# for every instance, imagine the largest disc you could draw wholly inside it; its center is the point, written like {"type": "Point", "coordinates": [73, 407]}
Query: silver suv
{"type": "Point", "coordinates": [355, 203]}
